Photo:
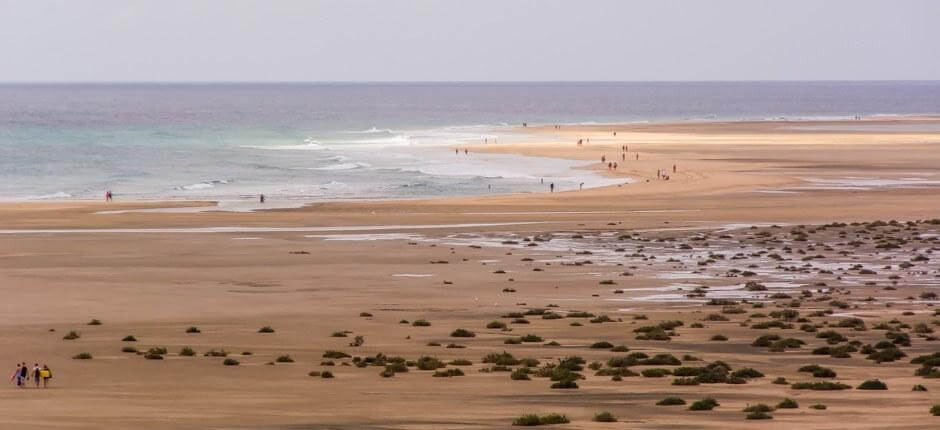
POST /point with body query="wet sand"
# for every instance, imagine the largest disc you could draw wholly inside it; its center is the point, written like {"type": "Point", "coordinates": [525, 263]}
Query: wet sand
{"type": "Point", "coordinates": [658, 249]}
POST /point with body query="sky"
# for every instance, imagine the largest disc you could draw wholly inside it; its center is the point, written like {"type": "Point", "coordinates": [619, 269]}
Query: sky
{"type": "Point", "coordinates": [464, 40]}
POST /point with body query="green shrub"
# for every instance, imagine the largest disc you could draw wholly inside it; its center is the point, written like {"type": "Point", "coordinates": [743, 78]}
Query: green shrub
{"type": "Point", "coordinates": [129, 338]}
{"type": "Point", "coordinates": [820, 386]}
{"type": "Point", "coordinates": [535, 420]}
{"type": "Point", "coordinates": [82, 356]}
{"type": "Point", "coordinates": [565, 384]}
{"type": "Point", "coordinates": [214, 353]}
{"type": "Point", "coordinates": [788, 404]}
{"type": "Point", "coordinates": [421, 323]}
{"type": "Point", "coordinates": [670, 401]}
{"type": "Point", "coordinates": [935, 410]}
{"type": "Point", "coordinates": [919, 387]}
{"type": "Point", "coordinates": [266, 329]}
{"type": "Point", "coordinates": [72, 335]}
{"type": "Point", "coordinates": [496, 325]}
{"type": "Point", "coordinates": [326, 374]}
{"type": "Point", "coordinates": [461, 362]}
{"type": "Point", "coordinates": [503, 359]}
{"type": "Point", "coordinates": [872, 384]}
{"type": "Point", "coordinates": [462, 333]}
{"type": "Point", "coordinates": [818, 406]}
{"type": "Point", "coordinates": [747, 373]}
{"type": "Point", "coordinates": [760, 407]}
{"type": "Point", "coordinates": [655, 373]}
{"type": "Point", "coordinates": [429, 363]}
{"type": "Point", "coordinates": [705, 404]}
{"type": "Point", "coordinates": [335, 354]}
{"type": "Point", "coordinates": [129, 349]}
{"type": "Point", "coordinates": [758, 415]}
{"type": "Point", "coordinates": [602, 345]}
{"type": "Point", "coordinates": [605, 417]}
{"type": "Point", "coordinates": [284, 359]}
{"type": "Point", "coordinates": [193, 329]}
{"type": "Point", "coordinates": [447, 373]}
{"type": "Point", "coordinates": [520, 375]}
{"type": "Point", "coordinates": [187, 352]}
{"type": "Point", "coordinates": [94, 322]}
{"type": "Point", "coordinates": [230, 362]}
{"type": "Point", "coordinates": [719, 338]}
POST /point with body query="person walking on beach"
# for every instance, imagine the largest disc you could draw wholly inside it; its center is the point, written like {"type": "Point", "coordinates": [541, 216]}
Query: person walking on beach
{"type": "Point", "coordinates": [22, 372]}
{"type": "Point", "coordinates": [261, 199]}
{"type": "Point", "coordinates": [15, 377]}
{"type": "Point", "coordinates": [35, 372]}
{"type": "Point", "coordinates": [551, 187]}
{"type": "Point", "coordinates": [581, 186]}
{"type": "Point", "coordinates": [46, 375]}
{"type": "Point", "coordinates": [603, 158]}
{"type": "Point", "coordinates": [673, 168]}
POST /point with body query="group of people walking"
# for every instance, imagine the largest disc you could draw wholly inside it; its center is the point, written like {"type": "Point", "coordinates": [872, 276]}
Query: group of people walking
{"type": "Point", "coordinates": [40, 375]}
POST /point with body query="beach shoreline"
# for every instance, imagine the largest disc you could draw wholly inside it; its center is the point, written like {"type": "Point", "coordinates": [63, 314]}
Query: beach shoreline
{"type": "Point", "coordinates": [794, 211]}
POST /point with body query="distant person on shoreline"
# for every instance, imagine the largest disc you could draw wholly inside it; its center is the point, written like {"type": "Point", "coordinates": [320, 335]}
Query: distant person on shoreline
{"type": "Point", "coordinates": [108, 196]}
{"type": "Point", "coordinates": [261, 199]}
{"type": "Point", "coordinates": [36, 371]}
{"type": "Point", "coordinates": [46, 375]}
{"type": "Point", "coordinates": [581, 186]}
{"type": "Point", "coordinates": [551, 187]}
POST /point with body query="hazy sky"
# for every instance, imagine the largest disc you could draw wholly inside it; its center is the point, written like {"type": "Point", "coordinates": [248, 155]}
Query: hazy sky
{"type": "Point", "coordinates": [479, 40]}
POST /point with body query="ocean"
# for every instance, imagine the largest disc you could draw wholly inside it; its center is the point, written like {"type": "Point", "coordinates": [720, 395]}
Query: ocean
{"type": "Point", "coordinates": [329, 141]}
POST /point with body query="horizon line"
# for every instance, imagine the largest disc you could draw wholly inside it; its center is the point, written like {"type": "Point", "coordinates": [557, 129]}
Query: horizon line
{"type": "Point", "coordinates": [237, 82]}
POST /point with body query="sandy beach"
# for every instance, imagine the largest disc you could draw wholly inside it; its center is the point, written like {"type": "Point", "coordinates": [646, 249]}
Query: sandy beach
{"type": "Point", "coordinates": [740, 234]}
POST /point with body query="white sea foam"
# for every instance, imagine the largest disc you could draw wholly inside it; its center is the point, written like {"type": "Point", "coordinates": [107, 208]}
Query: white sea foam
{"type": "Point", "coordinates": [342, 166]}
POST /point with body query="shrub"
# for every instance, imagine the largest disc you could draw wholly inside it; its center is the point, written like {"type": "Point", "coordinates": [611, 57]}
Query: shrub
{"type": "Point", "coordinates": [266, 329]}
{"type": "Point", "coordinates": [788, 404]}
{"type": "Point", "coordinates": [447, 373]}
{"type": "Point", "coordinates": [72, 335]}
{"type": "Point", "coordinates": [760, 407]}
{"type": "Point", "coordinates": [758, 415]}
{"type": "Point", "coordinates": [152, 356]}
{"type": "Point", "coordinates": [935, 410]}
{"type": "Point", "coordinates": [780, 380]}
{"type": "Point", "coordinates": [531, 338]}
{"type": "Point", "coordinates": [818, 371]}
{"type": "Point", "coordinates": [230, 362]}
{"type": "Point", "coordinates": [214, 353]}
{"type": "Point", "coordinates": [82, 356]}
{"type": "Point", "coordinates": [421, 323]}
{"type": "Point", "coordinates": [129, 349]}
{"type": "Point", "coordinates": [429, 363]}
{"type": "Point", "coordinates": [314, 374]}
{"type": "Point", "coordinates": [284, 359]}
{"type": "Point", "coordinates": [193, 329]}
{"type": "Point", "coordinates": [661, 360]}
{"type": "Point", "coordinates": [705, 404]}
{"type": "Point", "coordinates": [129, 338]}
{"type": "Point", "coordinates": [520, 375]}
{"type": "Point", "coordinates": [719, 338]}
{"type": "Point", "coordinates": [605, 417]}
{"type": "Point", "coordinates": [187, 352]}
{"type": "Point", "coordinates": [685, 381]}
{"type": "Point", "coordinates": [872, 384]}
{"type": "Point", "coordinates": [602, 345]}
{"type": "Point", "coordinates": [94, 322]}
{"type": "Point", "coordinates": [462, 333]}
{"type": "Point", "coordinates": [326, 374]}
{"type": "Point", "coordinates": [535, 420]}
{"type": "Point", "coordinates": [461, 362]}
{"type": "Point", "coordinates": [919, 387]}
{"type": "Point", "coordinates": [157, 350]}
{"type": "Point", "coordinates": [335, 354]}
{"type": "Point", "coordinates": [655, 373]}
{"type": "Point", "coordinates": [747, 373]}
{"type": "Point", "coordinates": [670, 401]}
{"type": "Point", "coordinates": [496, 325]}
{"type": "Point", "coordinates": [820, 386]}
{"type": "Point", "coordinates": [818, 406]}
{"type": "Point", "coordinates": [565, 384]}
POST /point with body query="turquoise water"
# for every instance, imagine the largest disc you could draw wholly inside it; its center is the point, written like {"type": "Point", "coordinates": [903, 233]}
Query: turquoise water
{"type": "Point", "coordinates": [346, 141]}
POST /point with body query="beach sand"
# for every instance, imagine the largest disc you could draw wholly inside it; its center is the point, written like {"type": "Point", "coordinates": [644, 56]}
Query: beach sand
{"type": "Point", "coordinates": [311, 272]}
